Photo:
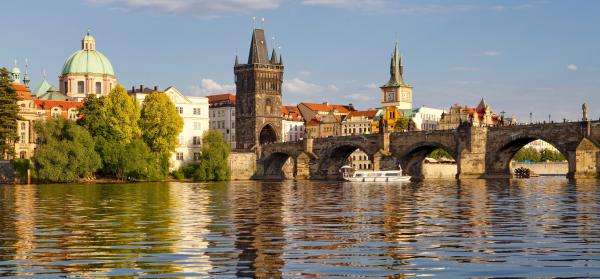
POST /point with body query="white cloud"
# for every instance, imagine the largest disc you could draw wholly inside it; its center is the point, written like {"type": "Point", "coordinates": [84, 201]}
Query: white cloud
{"type": "Point", "coordinates": [209, 86]}
{"type": "Point", "coordinates": [198, 8]}
{"type": "Point", "coordinates": [332, 88]}
{"type": "Point", "coordinates": [359, 97]}
{"type": "Point", "coordinates": [348, 4]}
{"type": "Point", "coordinates": [572, 67]}
{"type": "Point", "coordinates": [466, 69]}
{"type": "Point", "coordinates": [490, 53]}
{"type": "Point", "coordinates": [298, 86]}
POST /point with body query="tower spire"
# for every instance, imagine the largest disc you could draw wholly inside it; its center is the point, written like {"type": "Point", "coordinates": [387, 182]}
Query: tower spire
{"type": "Point", "coordinates": [26, 79]}
{"type": "Point", "coordinates": [396, 68]}
{"type": "Point", "coordinates": [258, 48]}
{"type": "Point", "coordinates": [274, 57]}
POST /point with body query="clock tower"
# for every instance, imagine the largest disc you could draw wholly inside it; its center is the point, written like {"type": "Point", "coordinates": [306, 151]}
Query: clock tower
{"type": "Point", "coordinates": [396, 92]}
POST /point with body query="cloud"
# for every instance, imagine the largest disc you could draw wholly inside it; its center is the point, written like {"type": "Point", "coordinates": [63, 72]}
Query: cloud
{"type": "Point", "coordinates": [572, 67]}
{"type": "Point", "coordinates": [490, 53]}
{"type": "Point", "coordinates": [304, 73]}
{"type": "Point", "coordinates": [359, 97]}
{"type": "Point", "coordinates": [209, 86]}
{"type": "Point", "coordinates": [332, 88]}
{"type": "Point", "coordinates": [298, 86]}
{"type": "Point", "coordinates": [348, 4]}
{"type": "Point", "coordinates": [198, 8]}
{"type": "Point", "coordinates": [466, 69]}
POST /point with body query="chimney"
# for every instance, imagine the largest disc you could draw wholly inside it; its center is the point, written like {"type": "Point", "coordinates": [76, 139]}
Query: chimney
{"type": "Point", "coordinates": [132, 89]}
{"type": "Point", "coordinates": [141, 88]}
{"type": "Point", "coordinates": [155, 88]}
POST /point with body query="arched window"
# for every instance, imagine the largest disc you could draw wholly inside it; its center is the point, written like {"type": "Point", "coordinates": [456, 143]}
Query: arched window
{"type": "Point", "coordinates": [23, 126]}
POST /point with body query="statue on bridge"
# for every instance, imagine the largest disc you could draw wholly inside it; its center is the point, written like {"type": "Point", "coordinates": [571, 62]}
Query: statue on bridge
{"type": "Point", "coordinates": [584, 108]}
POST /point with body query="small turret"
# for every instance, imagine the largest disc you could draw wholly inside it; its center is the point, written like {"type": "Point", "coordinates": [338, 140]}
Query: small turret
{"type": "Point", "coordinates": [274, 57]}
{"type": "Point", "coordinates": [236, 60]}
{"type": "Point", "coordinates": [26, 79]}
{"type": "Point", "coordinates": [15, 73]}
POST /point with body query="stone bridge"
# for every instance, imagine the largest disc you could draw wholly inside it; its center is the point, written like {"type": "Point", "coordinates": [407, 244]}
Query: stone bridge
{"type": "Point", "coordinates": [480, 152]}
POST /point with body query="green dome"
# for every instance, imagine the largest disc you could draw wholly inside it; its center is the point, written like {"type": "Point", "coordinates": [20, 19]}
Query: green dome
{"type": "Point", "coordinates": [88, 62]}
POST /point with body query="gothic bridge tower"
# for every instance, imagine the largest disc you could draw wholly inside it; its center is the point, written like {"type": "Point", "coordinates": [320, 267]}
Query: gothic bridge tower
{"type": "Point", "coordinates": [258, 95]}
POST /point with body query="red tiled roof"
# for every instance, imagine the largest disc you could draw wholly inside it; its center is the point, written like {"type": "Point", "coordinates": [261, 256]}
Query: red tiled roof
{"type": "Point", "coordinates": [291, 112]}
{"type": "Point", "coordinates": [22, 91]}
{"type": "Point", "coordinates": [366, 113]}
{"type": "Point", "coordinates": [327, 107]}
{"type": "Point", "coordinates": [221, 98]}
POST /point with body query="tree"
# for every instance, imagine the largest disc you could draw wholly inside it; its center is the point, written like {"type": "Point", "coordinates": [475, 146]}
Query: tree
{"type": "Point", "coordinates": [114, 117]}
{"type": "Point", "coordinates": [440, 153]}
{"type": "Point", "coordinates": [9, 114]}
{"type": "Point", "coordinates": [401, 124]}
{"type": "Point", "coordinates": [123, 113]}
{"type": "Point", "coordinates": [527, 154]}
{"type": "Point", "coordinates": [66, 152]}
{"type": "Point", "coordinates": [214, 164]}
{"type": "Point", "coordinates": [551, 156]}
{"type": "Point", "coordinates": [160, 123]}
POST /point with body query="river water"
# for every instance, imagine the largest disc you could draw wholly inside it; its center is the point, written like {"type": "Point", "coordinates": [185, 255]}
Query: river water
{"type": "Point", "coordinates": [540, 227]}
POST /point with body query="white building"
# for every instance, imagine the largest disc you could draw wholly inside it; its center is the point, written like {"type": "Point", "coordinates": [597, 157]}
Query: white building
{"type": "Point", "coordinates": [425, 118]}
{"type": "Point", "coordinates": [222, 115]}
{"type": "Point", "coordinates": [292, 124]}
{"type": "Point", "coordinates": [540, 145]}
{"type": "Point", "coordinates": [194, 112]}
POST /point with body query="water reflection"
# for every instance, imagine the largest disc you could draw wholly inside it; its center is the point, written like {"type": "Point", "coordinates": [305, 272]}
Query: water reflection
{"type": "Point", "coordinates": [472, 228]}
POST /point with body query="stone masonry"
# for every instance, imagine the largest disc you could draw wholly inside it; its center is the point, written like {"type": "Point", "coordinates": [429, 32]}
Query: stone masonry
{"type": "Point", "coordinates": [480, 152]}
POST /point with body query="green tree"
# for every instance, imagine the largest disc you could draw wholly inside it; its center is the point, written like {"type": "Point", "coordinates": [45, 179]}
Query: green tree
{"type": "Point", "coordinates": [440, 153]}
{"type": "Point", "coordinates": [160, 123]}
{"type": "Point", "coordinates": [114, 117]}
{"type": "Point", "coordinates": [401, 124]}
{"type": "Point", "coordinates": [527, 154]}
{"type": "Point", "coordinates": [214, 164]}
{"type": "Point", "coordinates": [9, 114]}
{"type": "Point", "coordinates": [551, 155]}
{"type": "Point", "coordinates": [66, 152]}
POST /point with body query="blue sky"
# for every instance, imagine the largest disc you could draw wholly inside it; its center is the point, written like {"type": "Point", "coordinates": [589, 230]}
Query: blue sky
{"type": "Point", "coordinates": [521, 56]}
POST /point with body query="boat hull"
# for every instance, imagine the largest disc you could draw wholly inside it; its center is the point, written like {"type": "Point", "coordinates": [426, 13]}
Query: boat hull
{"type": "Point", "coordinates": [377, 179]}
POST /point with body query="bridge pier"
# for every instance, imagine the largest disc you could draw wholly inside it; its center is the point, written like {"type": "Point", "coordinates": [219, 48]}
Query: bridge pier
{"type": "Point", "coordinates": [584, 161]}
{"type": "Point", "coordinates": [472, 149]}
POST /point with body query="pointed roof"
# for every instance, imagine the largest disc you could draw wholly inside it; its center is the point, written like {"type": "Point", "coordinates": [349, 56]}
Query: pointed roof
{"type": "Point", "coordinates": [236, 60]}
{"type": "Point", "coordinates": [53, 95]}
{"type": "Point", "coordinates": [258, 48]}
{"type": "Point", "coordinates": [482, 104]}
{"type": "Point", "coordinates": [22, 91]}
{"type": "Point", "coordinates": [42, 88]}
{"type": "Point", "coordinates": [396, 69]}
{"type": "Point", "coordinates": [274, 57]}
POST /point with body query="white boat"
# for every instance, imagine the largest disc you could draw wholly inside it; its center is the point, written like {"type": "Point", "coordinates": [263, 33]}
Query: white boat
{"type": "Point", "coordinates": [373, 176]}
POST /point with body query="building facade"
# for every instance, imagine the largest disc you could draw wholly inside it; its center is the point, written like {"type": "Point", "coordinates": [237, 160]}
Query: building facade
{"type": "Point", "coordinates": [358, 122]}
{"type": "Point", "coordinates": [222, 116]}
{"type": "Point", "coordinates": [480, 116]}
{"type": "Point", "coordinates": [292, 124]}
{"type": "Point", "coordinates": [194, 113]}
{"type": "Point", "coordinates": [87, 71]}
{"type": "Point", "coordinates": [258, 95]}
{"type": "Point", "coordinates": [323, 126]}
{"type": "Point", "coordinates": [425, 118]}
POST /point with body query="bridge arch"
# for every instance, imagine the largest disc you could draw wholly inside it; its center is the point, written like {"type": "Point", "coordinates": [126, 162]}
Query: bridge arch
{"type": "Point", "coordinates": [333, 158]}
{"type": "Point", "coordinates": [500, 154]}
{"type": "Point", "coordinates": [278, 165]}
{"type": "Point", "coordinates": [411, 158]}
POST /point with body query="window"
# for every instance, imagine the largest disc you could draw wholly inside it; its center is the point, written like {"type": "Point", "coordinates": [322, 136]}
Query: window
{"type": "Point", "coordinates": [22, 137]}
{"type": "Point", "coordinates": [197, 126]}
{"type": "Point", "coordinates": [180, 110]}
{"type": "Point", "coordinates": [72, 115]}
{"type": "Point", "coordinates": [196, 140]}
{"type": "Point", "coordinates": [23, 126]}
{"type": "Point", "coordinates": [196, 156]}
{"type": "Point", "coordinates": [196, 111]}
{"type": "Point", "coordinates": [180, 156]}
{"type": "Point", "coordinates": [80, 87]}
{"type": "Point", "coordinates": [66, 86]}
{"type": "Point", "coordinates": [98, 87]}
{"type": "Point", "coordinates": [23, 155]}
{"type": "Point", "coordinates": [55, 113]}
{"type": "Point", "coordinates": [268, 106]}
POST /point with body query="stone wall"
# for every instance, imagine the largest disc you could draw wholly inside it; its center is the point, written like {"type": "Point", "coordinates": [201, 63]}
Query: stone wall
{"type": "Point", "coordinates": [242, 164]}
{"type": "Point", "coordinates": [543, 168]}
{"type": "Point", "coordinates": [7, 173]}
{"type": "Point", "coordinates": [439, 171]}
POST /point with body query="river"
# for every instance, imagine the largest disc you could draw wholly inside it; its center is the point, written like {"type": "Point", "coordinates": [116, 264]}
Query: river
{"type": "Point", "coordinates": [540, 227]}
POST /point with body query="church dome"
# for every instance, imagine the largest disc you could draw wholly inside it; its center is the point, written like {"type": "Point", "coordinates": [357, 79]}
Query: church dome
{"type": "Point", "coordinates": [88, 60]}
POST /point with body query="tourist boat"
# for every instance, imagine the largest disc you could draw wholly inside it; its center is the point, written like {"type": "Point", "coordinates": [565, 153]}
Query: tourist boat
{"type": "Point", "coordinates": [372, 176]}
